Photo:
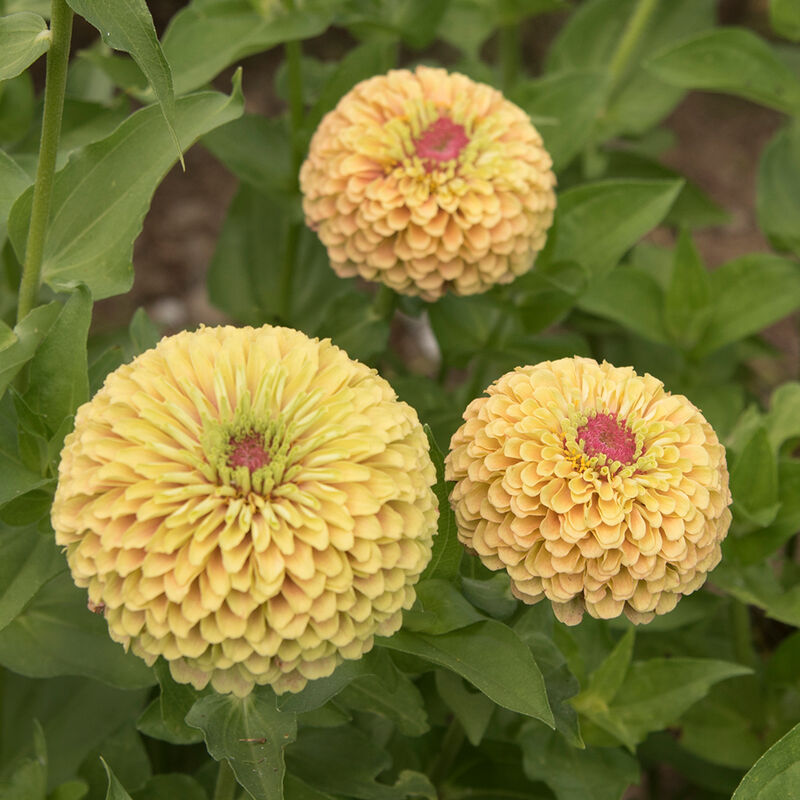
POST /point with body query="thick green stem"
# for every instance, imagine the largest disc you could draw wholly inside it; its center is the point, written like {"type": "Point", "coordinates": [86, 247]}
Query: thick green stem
{"type": "Point", "coordinates": [226, 782]}
{"type": "Point", "coordinates": [55, 86]}
{"type": "Point", "coordinates": [510, 55]}
{"type": "Point", "coordinates": [384, 302]}
{"type": "Point", "coordinates": [451, 745]}
{"type": "Point", "coordinates": [742, 634]}
{"type": "Point", "coordinates": [636, 26]}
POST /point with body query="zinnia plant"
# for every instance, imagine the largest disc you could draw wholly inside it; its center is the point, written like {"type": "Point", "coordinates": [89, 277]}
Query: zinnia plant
{"type": "Point", "coordinates": [438, 439]}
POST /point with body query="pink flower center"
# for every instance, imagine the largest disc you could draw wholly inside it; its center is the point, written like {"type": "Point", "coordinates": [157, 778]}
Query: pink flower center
{"type": "Point", "coordinates": [604, 433]}
{"type": "Point", "coordinates": [441, 141]}
{"type": "Point", "coordinates": [249, 452]}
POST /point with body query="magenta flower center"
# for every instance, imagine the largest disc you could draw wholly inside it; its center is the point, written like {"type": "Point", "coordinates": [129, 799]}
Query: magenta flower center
{"type": "Point", "coordinates": [441, 141]}
{"type": "Point", "coordinates": [606, 434]}
{"type": "Point", "coordinates": [249, 452]}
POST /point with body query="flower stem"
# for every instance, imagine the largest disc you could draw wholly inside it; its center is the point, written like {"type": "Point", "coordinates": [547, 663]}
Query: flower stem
{"type": "Point", "coordinates": [742, 634]}
{"type": "Point", "coordinates": [636, 26]}
{"type": "Point", "coordinates": [510, 55]}
{"type": "Point", "coordinates": [55, 87]}
{"type": "Point", "coordinates": [226, 782]}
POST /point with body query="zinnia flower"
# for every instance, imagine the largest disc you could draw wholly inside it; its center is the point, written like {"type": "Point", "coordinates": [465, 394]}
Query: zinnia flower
{"type": "Point", "coordinates": [428, 181]}
{"type": "Point", "coordinates": [591, 486]}
{"type": "Point", "coordinates": [250, 504]}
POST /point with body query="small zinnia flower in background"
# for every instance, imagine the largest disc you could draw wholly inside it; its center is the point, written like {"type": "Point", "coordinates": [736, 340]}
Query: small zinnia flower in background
{"type": "Point", "coordinates": [592, 486]}
{"type": "Point", "coordinates": [250, 504]}
{"type": "Point", "coordinates": [428, 181]}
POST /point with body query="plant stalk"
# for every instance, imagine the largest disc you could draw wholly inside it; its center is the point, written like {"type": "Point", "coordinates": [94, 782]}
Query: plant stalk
{"type": "Point", "coordinates": [225, 788]}
{"type": "Point", "coordinates": [742, 634]}
{"type": "Point", "coordinates": [54, 90]}
{"type": "Point", "coordinates": [636, 26]}
{"type": "Point", "coordinates": [510, 56]}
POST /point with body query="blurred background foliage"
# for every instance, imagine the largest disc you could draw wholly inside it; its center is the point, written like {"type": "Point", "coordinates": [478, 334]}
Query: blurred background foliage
{"type": "Point", "coordinates": [675, 249]}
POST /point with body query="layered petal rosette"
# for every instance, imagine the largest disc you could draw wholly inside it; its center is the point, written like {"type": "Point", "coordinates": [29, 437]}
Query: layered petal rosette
{"type": "Point", "coordinates": [428, 182]}
{"type": "Point", "coordinates": [592, 486]}
{"type": "Point", "coordinates": [250, 504]}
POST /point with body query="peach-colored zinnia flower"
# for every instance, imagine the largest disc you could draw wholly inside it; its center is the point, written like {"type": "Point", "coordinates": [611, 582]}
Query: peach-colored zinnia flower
{"type": "Point", "coordinates": [428, 181]}
{"type": "Point", "coordinates": [591, 486]}
{"type": "Point", "coordinates": [250, 504]}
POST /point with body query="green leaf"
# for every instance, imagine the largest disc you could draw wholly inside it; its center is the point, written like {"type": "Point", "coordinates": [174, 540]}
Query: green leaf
{"type": "Point", "coordinates": [29, 780]}
{"type": "Point", "coordinates": [115, 789]}
{"type": "Point", "coordinates": [629, 296]}
{"type": "Point", "coordinates": [295, 789]}
{"type": "Point", "coordinates": [71, 790]}
{"type": "Point", "coordinates": [440, 608]}
{"type": "Point", "coordinates": [251, 734]}
{"type": "Point", "coordinates": [654, 694]}
{"type": "Point", "coordinates": [472, 709]}
{"type": "Point", "coordinates": [463, 324]}
{"type": "Point", "coordinates": [749, 294]}
{"type": "Point", "coordinates": [598, 222]}
{"type": "Point", "coordinates": [16, 108]}
{"type": "Point", "coordinates": [23, 38]}
{"type": "Point", "coordinates": [174, 703]}
{"type": "Point", "coordinates": [776, 775]}
{"type": "Point", "coordinates": [143, 332]}
{"type": "Point", "coordinates": [357, 326]}
{"type": "Point", "coordinates": [103, 193]}
{"type": "Point", "coordinates": [28, 334]}
{"type": "Point", "coordinates": [27, 561]}
{"type": "Point", "coordinates": [208, 35]}
{"type": "Point", "coordinates": [784, 15]}
{"type": "Point", "coordinates": [596, 773]}
{"type": "Point", "coordinates": [447, 551]}
{"type": "Point", "coordinates": [245, 276]}
{"type": "Point", "coordinates": [606, 680]}
{"type": "Point", "coordinates": [783, 419]}
{"type": "Point", "coordinates": [514, 682]}
{"type": "Point", "coordinates": [59, 373]}
{"type": "Point", "coordinates": [13, 182]}
{"type": "Point", "coordinates": [171, 787]}
{"type": "Point", "coordinates": [343, 761]}
{"type": "Point", "coordinates": [317, 692]}
{"type": "Point", "coordinates": [754, 480]}
{"type": "Point", "coordinates": [126, 25]}
{"type": "Point", "coordinates": [778, 189]}
{"type": "Point", "coordinates": [729, 60]}
{"type": "Point", "coordinates": [56, 634]}
{"type": "Point", "coordinates": [688, 299]}
{"type": "Point", "coordinates": [563, 107]}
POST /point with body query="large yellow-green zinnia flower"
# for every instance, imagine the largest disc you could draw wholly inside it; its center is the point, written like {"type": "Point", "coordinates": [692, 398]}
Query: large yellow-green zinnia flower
{"type": "Point", "coordinates": [592, 486]}
{"type": "Point", "coordinates": [428, 182]}
{"type": "Point", "coordinates": [250, 504]}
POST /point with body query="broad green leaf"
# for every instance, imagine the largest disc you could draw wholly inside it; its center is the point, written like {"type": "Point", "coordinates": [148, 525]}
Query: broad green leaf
{"type": "Point", "coordinates": [174, 702]}
{"type": "Point", "coordinates": [295, 789]}
{"type": "Point", "coordinates": [758, 585]}
{"type": "Point", "coordinates": [688, 298]}
{"type": "Point", "coordinates": [606, 680]}
{"type": "Point", "coordinates": [28, 559]}
{"type": "Point", "coordinates": [492, 596]}
{"type": "Point", "coordinates": [116, 791]}
{"type": "Point", "coordinates": [16, 480]}
{"type": "Point", "coordinates": [13, 182]}
{"type": "Point", "coordinates": [778, 189]}
{"type": "Point", "coordinates": [251, 734]}
{"type": "Point", "coordinates": [546, 294]}
{"type": "Point", "coordinates": [242, 146]}
{"type": "Point", "coordinates": [28, 781]}
{"type": "Point", "coordinates": [440, 608]}
{"type": "Point", "coordinates": [71, 790]}
{"type": "Point", "coordinates": [447, 551]}
{"type": "Point", "coordinates": [208, 35]}
{"type": "Point", "coordinates": [124, 753]}
{"type": "Point", "coordinates": [596, 773]}
{"type": "Point", "coordinates": [754, 480]}
{"type": "Point", "coordinates": [630, 297]}
{"type": "Point", "coordinates": [655, 693]}
{"type": "Point", "coordinates": [783, 419]}
{"type": "Point", "coordinates": [776, 775]}
{"type": "Point", "coordinates": [127, 25]}
{"type": "Point", "coordinates": [29, 333]}
{"type": "Point", "coordinates": [598, 222]}
{"type": "Point", "coordinates": [514, 682]}
{"type": "Point", "coordinates": [101, 196]}
{"type": "Point", "coordinates": [344, 761]}
{"type": "Point", "coordinates": [143, 332]}
{"type": "Point", "coordinates": [472, 709]}
{"type": "Point", "coordinates": [563, 107]}
{"type": "Point", "coordinates": [463, 324]}
{"type": "Point", "coordinates": [749, 294]}
{"type": "Point", "coordinates": [388, 693]}
{"type": "Point", "coordinates": [78, 716]}
{"type": "Point", "coordinates": [357, 326]}
{"type": "Point", "coordinates": [23, 38]}
{"type": "Point", "coordinates": [246, 277]}
{"type": "Point", "coordinates": [171, 787]}
{"type": "Point", "coordinates": [785, 18]}
{"type": "Point", "coordinates": [17, 103]}
{"type": "Point", "coordinates": [59, 374]}
{"type": "Point", "coordinates": [731, 60]}
{"type": "Point", "coordinates": [317, 692]}
{"type": "Point", "coordinates": [56, 634]}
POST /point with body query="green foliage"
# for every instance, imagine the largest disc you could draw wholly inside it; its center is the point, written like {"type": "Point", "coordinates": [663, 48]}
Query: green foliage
{"type": "Point", "coordinates": [478, 696]}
